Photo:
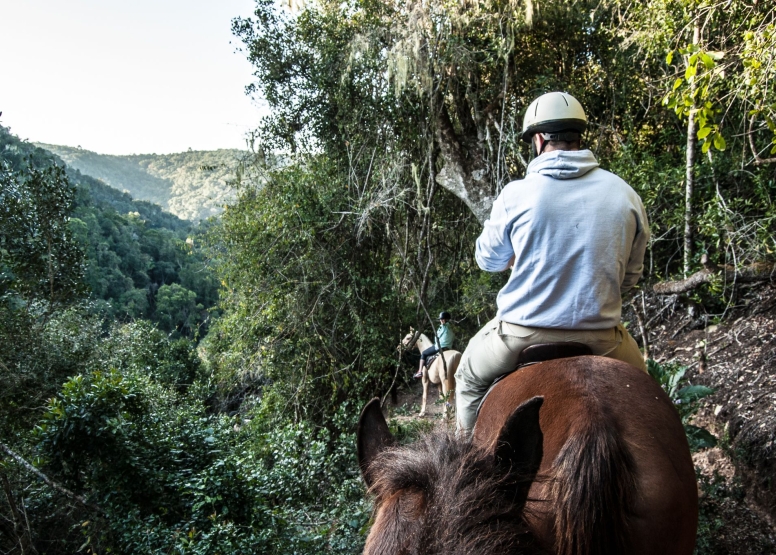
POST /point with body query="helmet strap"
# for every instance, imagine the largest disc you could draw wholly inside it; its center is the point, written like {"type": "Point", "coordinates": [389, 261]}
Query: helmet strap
{"type": "Point", "coordinates": [563, 136]}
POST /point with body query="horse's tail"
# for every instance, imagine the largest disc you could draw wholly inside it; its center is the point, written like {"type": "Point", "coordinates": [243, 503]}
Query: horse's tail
{"type": "Point", "coordinates": [594, 487]}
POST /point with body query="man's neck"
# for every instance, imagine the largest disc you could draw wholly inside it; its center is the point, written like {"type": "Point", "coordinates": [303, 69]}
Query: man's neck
{"type": "Point", "coordinates": [550, 148]}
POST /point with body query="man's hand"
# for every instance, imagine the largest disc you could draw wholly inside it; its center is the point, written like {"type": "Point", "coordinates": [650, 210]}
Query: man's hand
{"type": "Point", "coordinates": [510, 263]}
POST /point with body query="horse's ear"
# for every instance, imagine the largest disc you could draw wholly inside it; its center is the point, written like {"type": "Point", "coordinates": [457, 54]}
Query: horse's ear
{"type": "Point", "coordinates": [519, 444]}
{"type": "Point", "coordinates": [372, 437]}
{"type": "Point", "coordinates": [412, 330]}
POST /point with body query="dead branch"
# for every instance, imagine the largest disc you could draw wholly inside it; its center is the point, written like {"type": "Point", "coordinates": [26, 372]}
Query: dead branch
{"type": "Point", "coordinates": [23, 535]}
{"type": "Point", "coordinates": [400, 350]}
{"type": "Point", "coordinates": [762, 271]}
{"type": "Point", "coordinates": [60, 488]}
{"type": "Point", "coordinates": [642, 327]}
{"type": "Point", "coordinates": [757, 160]}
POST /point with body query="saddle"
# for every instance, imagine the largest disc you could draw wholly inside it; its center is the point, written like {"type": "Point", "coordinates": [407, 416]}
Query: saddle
{"type": "Point", "coordinates": [430, 360]}
{"type": "Point", "coordinates": [541, 352]}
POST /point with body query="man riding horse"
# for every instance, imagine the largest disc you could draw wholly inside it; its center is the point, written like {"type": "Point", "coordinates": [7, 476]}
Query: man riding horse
{"type": "Point", "coordinates": [574, 237]}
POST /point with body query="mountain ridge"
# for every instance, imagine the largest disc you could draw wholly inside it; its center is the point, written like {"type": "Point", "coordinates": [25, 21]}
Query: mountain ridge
{"type": "Point", "coordinates": [193, 185]}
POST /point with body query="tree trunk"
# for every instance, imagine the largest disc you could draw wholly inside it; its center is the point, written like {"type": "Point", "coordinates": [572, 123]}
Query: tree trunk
{"type": "Point", "coordinates": [692, 132]}
{"type": "Point", "coordinates": [465, 172]}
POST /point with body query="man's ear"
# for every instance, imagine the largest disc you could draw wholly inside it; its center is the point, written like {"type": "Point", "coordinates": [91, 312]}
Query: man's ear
{"type": "Point", "coordinates": [540, 144]}
{"type": "Point", "coordinates": [519, 444]}
{"type": "Point", "coordinates": [372, 437]}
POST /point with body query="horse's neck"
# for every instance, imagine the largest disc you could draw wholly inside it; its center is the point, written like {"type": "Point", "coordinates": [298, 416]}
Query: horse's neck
{"type": "Point", "coordinates": [424, 342]}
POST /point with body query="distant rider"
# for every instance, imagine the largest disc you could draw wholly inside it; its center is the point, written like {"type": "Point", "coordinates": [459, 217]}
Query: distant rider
{"type": "Point", "coordinates": [443, 341]}
{"type": "Point", "coordinates": [574, 236]}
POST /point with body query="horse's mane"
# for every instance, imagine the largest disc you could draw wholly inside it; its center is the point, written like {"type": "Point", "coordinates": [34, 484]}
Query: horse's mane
{"type": "Point", "coordinates": [469, 498]}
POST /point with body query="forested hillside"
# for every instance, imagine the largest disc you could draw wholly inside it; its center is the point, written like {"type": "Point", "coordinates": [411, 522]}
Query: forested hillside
{"type": "Point", "coordinates": [139, 261]}
{"type": "Point", "coordinates": [192, 185]}
{"type": "Point", "coordinates": [398, 124]}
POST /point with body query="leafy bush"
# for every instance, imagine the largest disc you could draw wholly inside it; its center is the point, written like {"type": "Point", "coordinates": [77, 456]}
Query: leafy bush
{"type": "Point", "coordinates": [171, 478]}
{"type": "Point", "coordinates": [671, 377]}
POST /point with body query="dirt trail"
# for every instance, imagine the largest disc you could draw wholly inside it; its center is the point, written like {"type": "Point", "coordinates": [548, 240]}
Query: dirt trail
{"type": "Point", "coordinates": [408, 406]}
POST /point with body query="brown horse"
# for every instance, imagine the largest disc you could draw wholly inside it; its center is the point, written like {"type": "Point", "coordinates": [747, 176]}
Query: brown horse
{"type": "Point", "coordinates": [603, 468]}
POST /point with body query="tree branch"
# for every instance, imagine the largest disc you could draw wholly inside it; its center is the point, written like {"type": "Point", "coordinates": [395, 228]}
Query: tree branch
{"type": "Point", "coordinates": [762, 271]}
{"type": "Point", "coordinates": [757, 160]}
{"type": "Point", "coordinates": [400, 350]}
{"type": "Point", "coordinates": [60, 488]}
{"type": "Point", "coordinates": [23, 536]}
{"type": "Point", "coordinates": [642, 327]}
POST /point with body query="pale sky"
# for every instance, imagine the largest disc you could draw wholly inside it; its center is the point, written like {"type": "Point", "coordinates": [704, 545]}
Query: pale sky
{"type": "Point", "coordinates": [124, 77]}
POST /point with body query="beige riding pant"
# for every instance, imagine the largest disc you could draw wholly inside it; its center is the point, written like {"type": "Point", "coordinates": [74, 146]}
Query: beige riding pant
{"type": "Point", "coordinates": [495, 348]}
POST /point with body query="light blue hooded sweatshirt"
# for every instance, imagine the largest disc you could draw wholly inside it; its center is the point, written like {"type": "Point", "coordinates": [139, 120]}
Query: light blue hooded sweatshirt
{"type": "Point", "coordinates": [578, 233]}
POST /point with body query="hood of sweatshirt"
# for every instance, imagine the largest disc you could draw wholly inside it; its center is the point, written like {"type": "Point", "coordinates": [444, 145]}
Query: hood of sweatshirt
{"type": "Point", "coordinates": [563, 164]}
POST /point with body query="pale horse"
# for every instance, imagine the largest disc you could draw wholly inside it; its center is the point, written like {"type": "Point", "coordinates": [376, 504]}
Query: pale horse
{"type": "Point", "coordinates": [440, 372]}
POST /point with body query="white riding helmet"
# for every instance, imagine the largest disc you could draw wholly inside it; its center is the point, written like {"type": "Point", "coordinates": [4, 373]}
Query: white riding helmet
{"type": "Point", "coordinates": [552, 113]}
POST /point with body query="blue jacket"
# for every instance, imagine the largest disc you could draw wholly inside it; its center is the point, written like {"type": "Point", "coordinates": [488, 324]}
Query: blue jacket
{"type": "Point", "coordinates": [445, 336]}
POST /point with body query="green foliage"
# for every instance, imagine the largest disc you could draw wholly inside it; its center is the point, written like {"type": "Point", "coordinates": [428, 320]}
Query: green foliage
{"type": "Point", "coordinates": [307, 307]}
{"type": "Point", "coordinates": [39, 351]}
{"type": "Point", "coordinates": [49, 348]}
{"type": "Point", "coordinates": [38, 256]}
{"type": "Point", "coordinates": [21, 154]}
{"type": "Point", "coordinates": [50, 335]}
{"type": "Point", "coordinates": [693, 92]}
{"type": "Point", "coordinates": [759, 72]}
{"type": "Point", "coordinates": [357, 77]}
{"type": "Point", "coordinates": [719, 68]}
{"type": "Point", "coordinates": [131, 264]}
{"type": "Point", "coordinates": [177, 307]}
{"type": "Point", "coordinates": [140, 347]}
{"type": "Point", "coordinates": [410, 430]}
{"type": "Point", "coordinates": [671, 377]}
{"type": "Point", "coordinates": [169, 477]}
{"type": "Point", "coordinates": [411, 69]}
{"type": "Point", "coordinates": [124, 260]}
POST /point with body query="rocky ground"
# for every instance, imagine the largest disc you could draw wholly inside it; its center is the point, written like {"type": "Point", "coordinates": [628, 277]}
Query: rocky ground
{"type": "Point", "coordinates": [734, 352]}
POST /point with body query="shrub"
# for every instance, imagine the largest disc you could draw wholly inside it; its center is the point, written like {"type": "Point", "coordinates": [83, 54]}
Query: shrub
{"type": "Point", "coordinates": [672, 379]}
